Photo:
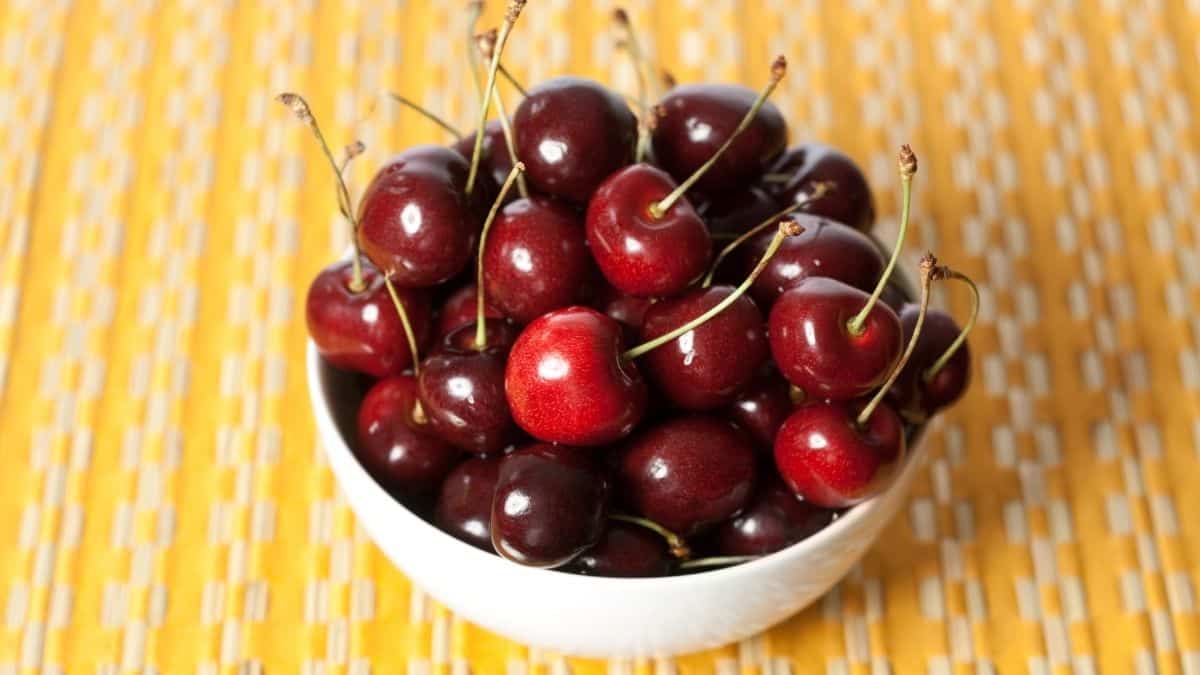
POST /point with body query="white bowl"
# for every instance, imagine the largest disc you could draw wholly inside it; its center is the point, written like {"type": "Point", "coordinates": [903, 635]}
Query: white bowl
{"type": "Point", "coordinates": [595, 616]}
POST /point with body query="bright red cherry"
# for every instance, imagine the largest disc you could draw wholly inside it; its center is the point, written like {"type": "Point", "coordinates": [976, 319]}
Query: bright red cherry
{"type": "Point", "coordinates": [687, 474]}
{"type": "Point", "coordinates": [694, 120]}
{"type": "Point", "coordinates": [550, 504]}
{"type": "Point", "coordinates": [459, 310]}
{"type": "Point", "coordinates": [567, 383]}
{"type": "Point", "coordinates": [774, 520]}
{"type": "Point", "coordinates": [803, 166]}
{"type": "Point", "coordinates": [395, 447]}
{"type": "Point", "coordinates": [762, 406]}
{"type": "Point", "coordinates": [625, 550]}
{"type": "Point", "coordinates": [361, 331]}
{"type": "Point", "coordinates": [535, 259]}
{"type": "Point", "coordinates": [573, 133]}
{"type": "Point", "coordinates": [416, 219]}
{"type": "Point", "coordinates": [464, 505]}
{"type": "Point", "coordinates": [830, 459]}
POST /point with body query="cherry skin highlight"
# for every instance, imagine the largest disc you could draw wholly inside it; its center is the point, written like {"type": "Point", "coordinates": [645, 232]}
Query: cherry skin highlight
{"type": "Point", "coordinates": [762, 406]}
{"type": "Point", "coordinates": [464, 504]}
{"type": "Point", "coordinates": [400, 453]}
{"type": "Point", "coordinates": [775, 519]}
{"type": "Point", "coordinates": [462, 393]}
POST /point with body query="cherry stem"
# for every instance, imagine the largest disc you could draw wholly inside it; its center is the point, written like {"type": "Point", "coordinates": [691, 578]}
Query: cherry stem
{"type": "Point", "coordinates": [928, 265]}
{"type": "Point", "coordinates": [300, 107]}
{"type": "Point", "coordinates": [787, 228]}
{"type": "Point", "coordinates": [348, 154]}
{"type": "Point", "coordinates": [408, 331]}
{"type": "Point", "coordinates": [668, 79]}
{"type": "Point", "coordinates": [678, 546]}
{"type": "Point", "coordinates": [717, 561]}
{"type": "Point", "coordinates": [427, 114]}
{"type": "Point", "coordinates": [474, 11]}
{"type": "Point", "coordinates": [819, 189]}
{"type": "Point", "coordinates": [487, 44]}
{"type": "Point", "coordinates": [480, 304]}
{"type": "Point", "coordinates": [510, 18]}
{"type": "Point", "coordinates": [508, 76]}
{"type": "Point", "coordinates": [907, 164]}
{"type": "Point", "coordinates": [639, 67]}
{"type": "Point", "coordinates": [940, 274]}
{"type": "Point", "coordinates": [778, 70]}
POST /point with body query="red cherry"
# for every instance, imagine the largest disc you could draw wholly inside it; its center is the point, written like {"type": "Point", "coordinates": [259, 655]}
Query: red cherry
{"type": "Point", "coordinates": [774, 520]}
{"type": "Point", "coordinates": [803, 166]}
{"type": "Point", "coordinates": [698, 370]}
{"type": "Point", "coordinates": [459, 310]}
{"type": "Point", "coordinates": [625, 550]}
{"type": "Point", "coordinates": [687, 474]}
{"type": "Point", "coordinates": [462, 393]}
{"type": "Point", "coordinates": [815, 348]}
{"type": "Point", "coordinates": [638, 252]}
{"type": "Point", "coordinates": [732, 213]}
{"type": "Point", "coordinates": [627, 309]}
{"type": "Point", "coordinates": [567, 383]}
{"type": "Point", "coordinates": [464, 505]}
{"type": "Point", "coordinates": [550, 504]}
{"type": "Point", "coordinates": [939, 370]}
{"type": "Point", "coordinates": [416, 220]}
{"type": "Point", "coordinates": [395, 448]}
{"type": "Point", "coordinates": [762, 406]}
{"type": "Point", "coordinates": [361, 331]}
{"type": "Point", "coordinates": [499, 335]}
{"type": "Point", "coordinates": [827, 457]}
{"type": "Point", "coordinates": [496, 159]}
{"type": "Point", "coordinates": [572, 133]}
{"type": "Point", "coordinates": [535, 259]}
{"type": "Point", "coordinates": [694, 120]}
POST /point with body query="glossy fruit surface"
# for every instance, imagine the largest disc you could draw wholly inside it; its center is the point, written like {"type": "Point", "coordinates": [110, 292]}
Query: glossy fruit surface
{"type": "Point", "coordinates": [550, 504]}
{"type": "Point", "coordinates": [459, 310]}
{"type": "Point", "coordinates": [849, 201]}
{"type": "Point", "coordinates": [462, 392]}
{"type": "Point", "coordinates": [464, 504]}
{"type": "Point", "coordinates": [762, 406]}
{"type": "Point", "coordinates": [495, 152]}
{"type": "Point", "coordinates": [920, 396]}
{"type": "Point", "coordinates": [401, 454]}
{"type": "Point", "coordinates": [625, 550]}
{"type": "Point", "coordinates": [775, 519]}
{"type": "Point", "coordinates": [361, 331]}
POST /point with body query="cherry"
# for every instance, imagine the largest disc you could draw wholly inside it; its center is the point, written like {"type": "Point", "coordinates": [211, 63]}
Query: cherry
{"type": "Point", "coordinates": [836, 454]}
{"type": "Point", "coordinates": [646, 237]}
{"type": "Point", "coordinates": [464, 505]}
{"type": "Point", "coordinates": [688, 473]}
{"type": "Point", "coordinates": [625, 550]}
{"type": "Point", "coordinates": [394, 446]}
{"type": "Point", "coordinates": [694, 120]}
{"type": "Point", "coordinates": [494, 156]}
{"type": "Point", "coordinates": [499, 335]}
{"type": "Point", "coordinates": [567, 383]}
{"type": "Point", "coordinates": [832, 340]}
{"type": "Point", "coordinates": [502, 154]}
{"type": "Point", "coordinates": [462, 386]}
{"type": "Point", "coordinates": [536, 259]}
{"type": "Point", "coordinates": [487, 94]}
{"type": "Point", "coordinates": [360, 330]}
{"type": "Point", "coordinates": [732, 213]}
{"type": "Point", "coordinates": [417, 221]}
{"type": "Point", "coordinates": [762, 406]}
{"type": "Point", "coordinates": [792, 178]}
{"type": "Point", "coordinates": [459, 310]}
{"type": "Point", "coordinates": [940, 367]}
{"type": "Point", "coordinates": [774, 520]}
{"type": "Point", "coordinates": [573, 133]}
{"type": "Point", "coordinates": [629, 310]}
{"type": "Point", "coordinates": [549, 506]}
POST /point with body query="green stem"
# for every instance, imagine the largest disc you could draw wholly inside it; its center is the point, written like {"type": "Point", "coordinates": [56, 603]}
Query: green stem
{"type": "Point", "coordinates": [717, 561]}
{"type": "Point", "coordinates": [676, 543]}
{"type": "Point", "coordinates": [786, 229]}
{"type": "Point", "coordinates": [510, 18]}
{"type": "Point", "coordinates": [480, 304]}
{"type": "Point", "coordinates": [507, 75]}
{"type": "Point", "coordinates": [928, 263]}
{"type": "Point", "coordinates": [427, 114]}
{"type": "Point", "coordinates": [946, 273]}
{"type": "Point", "coordinates": [778, 68]}
{"type": "Point", "coordinates": [908, 167]}
{"type": "Point", "coordinates": [408, 330]}
{"type": "Point", "coordinates": [639, 65]}
{"type": "Point", "coordinates": [510, 142]}
{"type": "Point", "coordinates": [474, 11]}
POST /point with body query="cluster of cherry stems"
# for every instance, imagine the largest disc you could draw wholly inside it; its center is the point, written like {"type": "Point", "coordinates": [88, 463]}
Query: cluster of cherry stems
{"type": "Point", "coordinates": [531, 428]}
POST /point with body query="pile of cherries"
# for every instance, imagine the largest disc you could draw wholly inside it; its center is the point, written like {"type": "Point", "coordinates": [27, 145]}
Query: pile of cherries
{"type": "Point", "coordinates": [629, 344]}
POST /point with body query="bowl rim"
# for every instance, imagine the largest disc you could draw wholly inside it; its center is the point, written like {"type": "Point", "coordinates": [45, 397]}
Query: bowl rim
{"type": "Point", "coordinates": [857, 515]}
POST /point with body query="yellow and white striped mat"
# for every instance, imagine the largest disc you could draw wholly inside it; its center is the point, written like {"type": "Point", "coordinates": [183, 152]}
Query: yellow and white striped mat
{"type": "Point", "coordinates": [164, 507]}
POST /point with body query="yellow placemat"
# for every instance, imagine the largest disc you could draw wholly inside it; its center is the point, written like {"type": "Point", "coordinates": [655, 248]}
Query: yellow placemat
{"type": "Point", "coordinates": [164, 506]}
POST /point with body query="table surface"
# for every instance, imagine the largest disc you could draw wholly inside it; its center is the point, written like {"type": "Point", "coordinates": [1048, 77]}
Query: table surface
{"type": "Point", "coordinates": [164, 504]}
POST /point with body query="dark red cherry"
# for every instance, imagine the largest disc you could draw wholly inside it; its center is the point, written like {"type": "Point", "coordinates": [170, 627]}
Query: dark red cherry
{"type": "Point", "coordinates": [627, 309]}
{"type": "Point", "coordinates": [895, 296]}
{"type": "Point", "coordinates": [464, 505]}
{"type": "Point", "coordinates": [814, 348]}
{"type": "Point", "coordinates": [708, 366]}
{"type": "Point", "coordinates": [499, 335]}
{"type": "Point", "coordinates": [825, 248]}
{"type": "Point", "coordinates": [849, 201]}
{"type": "Point", "coordinates": [550, 505]}
{"type": "Point", "coordinates": [566, 381]}
{"type": "Point", "coordinates": [687, 474]}
{"type": "Point", "coordinates": [571, 133]}
{"type": "Point", "coordinates": [462, 392]}
{"type": "Point", "coordinates": [361, 331]}
{"type": "Point", "coordinates": [396, 449]}
{"type": "Point", "coordinates": [459, 310]}
{"type": "Point", "coordinates": [536, 259]}
{"type": "Point", "coordinates": [638, 252]}
{"type": "Point", "coordinates": [495, 156]}
{"type": "Point", "coordinates": [416, 220]}
{"type": "Point", "coordinates": [828, 458]}
{"type": "Point", "coordinates": [762, 406]}
{"type": "Point", "coordinates": [625, 550]}
{"type": "Point", "coordinates": [775, 519]}
{"type": "Point", "coordinates": [918, 395]}
{"type": "Point", "coordinates": [695, 119]}
{"type": "Point", "coordinates": [733, 213]}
